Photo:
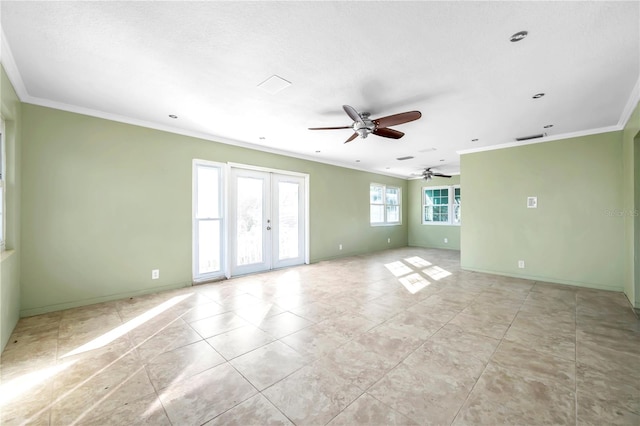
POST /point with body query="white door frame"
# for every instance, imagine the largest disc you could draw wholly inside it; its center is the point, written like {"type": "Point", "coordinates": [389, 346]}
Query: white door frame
{"type": "Point", "coordinates": [305, 176]}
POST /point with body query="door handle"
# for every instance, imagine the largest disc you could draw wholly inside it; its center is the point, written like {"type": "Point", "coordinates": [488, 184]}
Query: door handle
{"type": "Point", "coordinates": [268, 228]}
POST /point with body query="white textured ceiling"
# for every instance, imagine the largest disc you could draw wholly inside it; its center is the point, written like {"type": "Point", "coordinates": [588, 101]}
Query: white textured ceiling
{"type": "Point", "coordinates": [453, 61]}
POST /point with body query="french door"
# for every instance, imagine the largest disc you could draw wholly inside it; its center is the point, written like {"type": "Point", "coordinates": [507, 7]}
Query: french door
{"type": "Point", "coordinates": [267, 220]}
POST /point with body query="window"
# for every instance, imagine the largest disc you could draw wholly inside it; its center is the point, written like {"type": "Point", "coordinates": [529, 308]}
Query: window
{"type": "Point", "coordinates": [2, 186]}
{"type": "Point", "coordinates": [385, 204]}
{"type": "Point", "coordinates": [441, 205]}
{"type": "Point", "coordinates": [208, 227]}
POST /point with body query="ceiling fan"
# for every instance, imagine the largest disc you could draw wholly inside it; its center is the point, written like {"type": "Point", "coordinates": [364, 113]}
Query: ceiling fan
{"type": "Point", "coordinates": [363, 125]}
{"type": "Point", "coordinates": [427, 174]}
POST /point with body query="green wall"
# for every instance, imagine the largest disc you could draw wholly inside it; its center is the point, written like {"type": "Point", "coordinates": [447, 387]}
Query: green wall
{"type": "Point", "coordinates": [631, 189]}
{"type": "Point", "coordinates": [104, 203]}
{"type": "Point", "coordinates": [10, 108]}
{"type": "Point", "coordinates": [431, 236]}
{"type": "Point", "coordinates": [575, 236]}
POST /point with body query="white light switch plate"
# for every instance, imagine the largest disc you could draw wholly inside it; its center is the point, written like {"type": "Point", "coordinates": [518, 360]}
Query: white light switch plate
{"type": "Point", "coordinates": [532, 202]}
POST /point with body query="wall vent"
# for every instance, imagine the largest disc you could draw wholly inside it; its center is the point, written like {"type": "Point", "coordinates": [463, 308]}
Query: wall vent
{"type": "Point", "coordinates": [404, 158]}
{"type": "Point", "coordinates": [527, 138]}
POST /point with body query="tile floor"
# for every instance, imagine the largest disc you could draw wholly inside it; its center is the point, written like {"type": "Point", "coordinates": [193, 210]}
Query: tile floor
{"type": "Point", "coordinates": [397, 337]}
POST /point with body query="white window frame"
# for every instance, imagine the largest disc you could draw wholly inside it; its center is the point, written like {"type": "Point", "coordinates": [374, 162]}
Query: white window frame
{"type": "Point", "coordinates": [3, 177]}
{"type": "Point", "coordinates": [450, 204]}
{"type": "Point", "coordinates": [386, 222]}
{"type": "Point", "coordinates": [222, 169]}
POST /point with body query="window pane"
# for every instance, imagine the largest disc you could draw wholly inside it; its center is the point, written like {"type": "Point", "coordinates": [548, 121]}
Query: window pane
{"type": "Point", "coordinates": [375, 194]}
{"type": "Point", "coordinates": [428, 197]}
{"type": "Point", "coordinates": [208, 204]}
{"type": "Point", "coordinates": [457, 213]}
{"type": "Point", "coordinates": [393, 213]}
{"type": "Point", "coordinates": [392, 196]}
{"type": "Point", "coordinates": [288, 220]}
{"type": "Point", "coordinates": [428, 214]}
{"type": "Point", "coordinates": [208, 246]}
{"type": "Point", "coordinates": [377, 213]}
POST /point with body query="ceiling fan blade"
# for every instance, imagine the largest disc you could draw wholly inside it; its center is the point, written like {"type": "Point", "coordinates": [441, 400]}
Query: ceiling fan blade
{"type": "Point", "coordinates": [388, 133]}
{"type": "Point", "coordinates": [353, 136]}
{"type": "Point", "coordinates": [441, 175]}
{"type": "Point", "coordinates": [351, 112]}
{"type": "Point", "coordinates": [329, 128]}
{"type": "Point", "coordinates": [392, 120]}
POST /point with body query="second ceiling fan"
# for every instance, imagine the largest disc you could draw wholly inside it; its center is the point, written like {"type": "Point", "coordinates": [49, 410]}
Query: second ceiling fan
{"type": "Point", "coordinates": [363, 125]}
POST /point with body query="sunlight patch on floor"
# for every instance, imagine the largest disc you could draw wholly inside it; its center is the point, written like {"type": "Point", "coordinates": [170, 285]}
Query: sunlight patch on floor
{"type": "Point", "coordinates": [120, 331]}
{"type": "Point", "coordinates": [23, 384]}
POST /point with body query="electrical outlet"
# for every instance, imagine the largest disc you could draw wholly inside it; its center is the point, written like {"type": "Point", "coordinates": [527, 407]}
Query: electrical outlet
{"type": "Point", "coordinates": [521, 264]}
{"type": "Point", "coordinates": [446, 240]}
{"type": "Point", "coordinates": [155, 274]}
{"type": "Point", "coordinates": [340, 247]}
{"type": "Point", "coordinates": [389, 240]}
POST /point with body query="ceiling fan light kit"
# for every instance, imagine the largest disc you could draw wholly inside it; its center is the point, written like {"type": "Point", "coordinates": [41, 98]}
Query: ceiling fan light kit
{"type": "Point", "coordinates": [363, 125]}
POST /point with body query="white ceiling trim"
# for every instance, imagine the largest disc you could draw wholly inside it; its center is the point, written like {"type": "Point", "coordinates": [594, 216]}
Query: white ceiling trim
{"type": "Point", "coordinates": [542, 140]}
{"type": "Point", "coordinates": [634, 99]}
{"type": "Point", "coordinates": [6, 58]}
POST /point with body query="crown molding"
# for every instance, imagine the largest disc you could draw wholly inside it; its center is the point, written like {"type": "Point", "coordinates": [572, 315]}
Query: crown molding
{"type": "Point", "coordinates": [632, 102]}
{"type": "Point", "coordinates": [9, 64]}
{"type": "Point", "coordinates": [542, 140]}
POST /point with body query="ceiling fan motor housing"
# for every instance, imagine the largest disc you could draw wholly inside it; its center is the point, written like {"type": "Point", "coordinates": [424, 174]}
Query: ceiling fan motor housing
{"type": "Point", "coordinates": [364, 127]}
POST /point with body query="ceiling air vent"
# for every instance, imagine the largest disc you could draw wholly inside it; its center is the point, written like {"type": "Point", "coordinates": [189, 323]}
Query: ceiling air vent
{"type": "Point", "coordinates": [404, 158]}
{"type": "Point", "coordinates": [527, 138]}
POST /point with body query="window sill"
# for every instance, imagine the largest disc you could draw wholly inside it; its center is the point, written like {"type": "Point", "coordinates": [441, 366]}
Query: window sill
{"type": "Point", "coordinates": [385, 224]}
{"type": "Point", "coordinates": [441, 224]}
{"type": "Point", "coordinates": [6, 254]}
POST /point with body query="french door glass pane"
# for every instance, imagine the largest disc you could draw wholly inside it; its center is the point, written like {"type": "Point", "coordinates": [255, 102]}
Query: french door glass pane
{"type": "Point", "coordinates": [208, 202]}
{"type": "Point", "coordinates": [208, 246]}
{"type": "Point", "coordinates": [249, 221]}
{"type": "Point", "coordinates": [288, 220]}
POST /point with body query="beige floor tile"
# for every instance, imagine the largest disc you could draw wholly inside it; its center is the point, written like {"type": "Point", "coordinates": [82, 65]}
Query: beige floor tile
{"type": "Point", "coordinates": [426, 396]}
{"type": "Point", "coordinates": [240, 341]}
{"type": "Point", "coordinates": [269, 364]}
{"type": "Point", "coordinates": [414, 324]}
{"type": "Point", "coordinates": [218, 324]}
{"type": "Point", "coordinates": [256, 410]}
{"type": "Point", "coordinates": [316, 311]}
{"type": "Point", "coordinates": [147, 410]}
{"type": "Point", "coordinates": [480, 325]}
{"type": "Point", "coordinates": [182, 363]}
{"type": "Point", "coordinates": [595, 412]}
{"type": "Point", "coordinates": [312, 395]}
{"type": "Point", "coordinates": [102, 394]}
{"type": "Point", "coordinates": [388, 342]}
{"type": "Point", "coordinates": [532, 363]}
{"type": "Point", "coordinates": [205, 395]}
{"type": "Point", "coordinates": [367, 411]}
{"type": "Point", "coordinates": [613, 388]}
{"type": "Point", "coordinates": [283, 324]}
{"type": "Point", "coordinates": [503, 396]}
{"type": "Point", "coordinates": [150, 343]}
{"type": "Point", "coordinates": [562, 346]}
{"type": "Point", "coordinates": [315, 341]}
{"type": "Point", "coordinates": [258, 313]}
{"type": "Point", "coordinates": [203, 311]}
{"type": "Point", "coordinates": [452, 337]}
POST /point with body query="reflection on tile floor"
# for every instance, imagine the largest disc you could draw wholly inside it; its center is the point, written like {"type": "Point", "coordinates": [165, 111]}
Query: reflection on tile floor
{"type": "Point", "coordinates": [397, 337]}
